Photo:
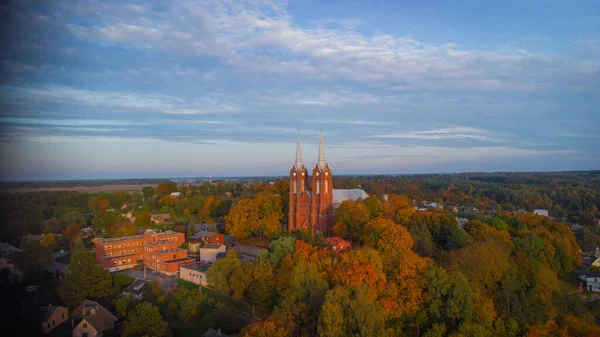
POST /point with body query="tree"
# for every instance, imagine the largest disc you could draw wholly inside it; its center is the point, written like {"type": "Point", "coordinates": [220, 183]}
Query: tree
{"type": "Point", "coordinates": [259, 216]}
{"type": "Point", "coordinates": [49, 240]}
{"type": "Point", "coordinates": [373, 205]}
{"type": "Point", "coordinates": [145, 320]}
{"type": "Point", "coordinates": [264, 329]}
{"type": "Point", "coordinates": [220, 272]}
{"type": "Point", "coordinates": [281, 248]}
{"type": "Point", "coordinates": [148, 192]}
{"type": "Point", "coordinates": [32, 259]}
{"type": "Point", "coordinates": [124, 304]}
{"type": "Point", "coordinates": [354, 215]}
{"type": "Point", "coordinates": [85, 279]}
{"type": "Point", "coordinates": [166, 188]}
{"type": "Point", "coordinates": [143, 220]}
{"type": "Point", "coordinates": [180, 229]}
{"type": "Point", "coordinates": [72, 233]}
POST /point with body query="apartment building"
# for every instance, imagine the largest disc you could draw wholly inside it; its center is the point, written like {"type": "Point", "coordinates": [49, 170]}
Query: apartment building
{"type": "Point", "coordinates": [158, 251]}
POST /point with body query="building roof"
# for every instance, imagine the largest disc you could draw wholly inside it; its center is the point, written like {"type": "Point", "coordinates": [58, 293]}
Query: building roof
{"type": "Point", "coordinates": [335, 240]}
{"type": "Point", "coordinates": [78, 313]}
{"type": "Point", "coordinates": [540, 211]}
{"type": "Point", "coordinates": [165, 216]}
{"type": "Point", "coordinates": [44, 313]}
{"type": "Point", "coordinates": [136, 288]}
{"type": "Point", "coordinates": [7, 248]}
{"type": "Point", "coordinates": [298, 163]}
{"type": "Point", "coordinates": [212, 246]}
{"type": "Point", "coordinates": [340, 195]}
{"type": "Point", "coordinates": [214, 333]}
{"type": "Point", "coordinates": [592, 274]}
{"type": "Point", "coordinates": [201, 267]}
{"type": "Point", "coordinates": [204, 234]}
{"type": "Point", "coordinates": [182, 259]}
{"type": "Point", "coordinates": [321, 161]}
{"type": "Point", "coordinates": [175, 194]}
{"type": "Point", "coordinates": [101, 320]}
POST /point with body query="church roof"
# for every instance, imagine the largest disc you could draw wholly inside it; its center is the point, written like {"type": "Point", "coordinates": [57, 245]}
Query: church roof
{"type": "Point", "coordinates": [340, 195]}
{"type": "Point", "coordinates": [321, 162]}
{"type": "Point", "coordinates": [298, 163]}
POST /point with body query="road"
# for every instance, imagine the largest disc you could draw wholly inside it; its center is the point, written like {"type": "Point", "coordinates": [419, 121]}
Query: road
{"type": "Point", "coordinates": [165, 282]}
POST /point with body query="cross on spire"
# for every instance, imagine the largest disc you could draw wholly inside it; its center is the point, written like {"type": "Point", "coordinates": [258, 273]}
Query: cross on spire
{"type": "Point", "coordinates": [298, 154]}
{"type": "Point", "coordinates": [321, 162]}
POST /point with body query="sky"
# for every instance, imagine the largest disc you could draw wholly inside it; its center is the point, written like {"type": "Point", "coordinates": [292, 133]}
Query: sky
{"type": "Point", "coordinates": [119, 89]}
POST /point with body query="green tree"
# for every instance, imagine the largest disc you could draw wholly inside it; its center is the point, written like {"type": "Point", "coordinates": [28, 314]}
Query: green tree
{"type": "Point", "coordinates": [145, 320]}
{"type": "Point", "coordinates": [32, 259]}
{"type": "Point", "coordinates": [219, 274]}
{"type": "Point", "coordinates": [148, 192]}
{"type": "Point", "coordinates": [85, 279]}
{"type": "Point", "coordinates": [281, 248]}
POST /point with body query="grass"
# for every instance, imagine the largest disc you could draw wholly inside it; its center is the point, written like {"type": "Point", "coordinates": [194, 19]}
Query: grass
{"type": "Point", "coordinates": [256, 241]}
{"type": "Point", "coordinates": [187, 285]}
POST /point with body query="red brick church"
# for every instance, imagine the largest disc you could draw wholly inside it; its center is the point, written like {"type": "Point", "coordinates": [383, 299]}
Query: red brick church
{"type": "Point", "coordinates": [314, 209]}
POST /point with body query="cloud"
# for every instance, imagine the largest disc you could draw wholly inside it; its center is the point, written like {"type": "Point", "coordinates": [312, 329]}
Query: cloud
{"type": "Point", "coordinates": [149, 102]}
{"type": "Point", "coordinates": [457, 133]}
{"type": "Point", "coordinates": [263, 36]}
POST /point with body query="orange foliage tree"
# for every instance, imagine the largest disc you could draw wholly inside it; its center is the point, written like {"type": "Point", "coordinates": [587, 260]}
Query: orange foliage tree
{"type": "Point", "coordinates": [264, 329]}
{"type": "Point", "coordinates": [72, 233]}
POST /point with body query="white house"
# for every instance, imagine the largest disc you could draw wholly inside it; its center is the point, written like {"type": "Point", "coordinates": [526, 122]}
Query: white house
{"type": "Point", "coordinates": [195, 273]}
{"type": "Point", "coordinates": [541, 212]}
{"type": "Point", "coordinates": [592, 281]}
{"type": "Point", "coordinates": [209, 252]}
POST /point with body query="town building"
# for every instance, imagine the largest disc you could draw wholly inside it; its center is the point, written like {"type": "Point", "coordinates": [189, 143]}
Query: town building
{"type": "Point", "coordinates": [6, 249]}
{"type": "Point", "coordinates": [210, 237]}
{"type": "Point", "coordinates": [210, 252]}
{"type": "Point", "coordinates": [160, 218]}
{"type": "Point", "coordinates": [313, 210]}
{"type": "Point", "coordinates": [592, 281]}
{"type": "Point", "coordinates": [50, 317]}
{"type": "Point", "coordinates": [214, 333]}
{"type": "Point", "coordinates": [338, 245]}
{"type": "Point", "coordinates": [541, 212]}
{"type": "Point", "coordinates": [195, 273]}
{"type": "Point", "coordinates": [91, 319]}
{"type": "Point", "coordinates": [158, 251]}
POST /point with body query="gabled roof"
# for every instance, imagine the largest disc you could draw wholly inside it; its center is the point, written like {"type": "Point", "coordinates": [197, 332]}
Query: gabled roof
{"type": "Point", "coordinates": [78, 313]}
{"type": "Point", "coordinates": [44, 313]}
{"type": "Point", "coordinates": [334, 241]}
{"type": "Point", "coordinates": [100, 320]}
{"type": "Point", "coordinates": [340, 195]}
{"type": "Point", "coordinates": [212, 246]}
{"type": "Point", "coordinates": [138, 287]}
{"type": "Point", "coordinates": [214, 333]}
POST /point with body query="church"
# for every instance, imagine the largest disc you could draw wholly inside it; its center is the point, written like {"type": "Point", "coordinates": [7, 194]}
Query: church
{"type": "Point", "coordinates": [314, 209]}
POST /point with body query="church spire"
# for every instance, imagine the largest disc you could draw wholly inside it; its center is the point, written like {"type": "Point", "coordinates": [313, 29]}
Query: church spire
{"type": "Point", "coordinates": [298, 154]}
{"type": "Point", "coordinates": [321, 162]}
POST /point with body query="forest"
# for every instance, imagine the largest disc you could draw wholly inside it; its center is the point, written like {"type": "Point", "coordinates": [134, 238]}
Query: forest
{"type": "Point", "coordinates": [411, 272]}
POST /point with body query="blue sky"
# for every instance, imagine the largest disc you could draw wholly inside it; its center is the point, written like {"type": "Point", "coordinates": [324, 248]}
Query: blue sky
{"type": "Point", "coordinates": [117, 89]}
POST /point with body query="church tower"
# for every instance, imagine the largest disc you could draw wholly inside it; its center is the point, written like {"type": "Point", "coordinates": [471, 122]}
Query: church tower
{"type": "Point", "coordinates": [321, 208]}
{"type": "Point", "coordinates": [299, 206]}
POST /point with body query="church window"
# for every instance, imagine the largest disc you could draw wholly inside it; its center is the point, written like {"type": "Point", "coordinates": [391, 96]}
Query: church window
{"type": "Point", "coordinates": [293, 186]}
{"type": "Point", "coordinates": [294, 174]}
{"type": "Point", "coordinates": [317, 174]}
{"type": "Point", "coordinates": [326, 173]}
{"type": "Point", "coordinates": [302, 185]}
{"type": "Point", "coordinates": [318, 186]}
{"type": "Point", "coordinates": [326, 186]}
{"type": "Point", "coordinates": [303, 173]}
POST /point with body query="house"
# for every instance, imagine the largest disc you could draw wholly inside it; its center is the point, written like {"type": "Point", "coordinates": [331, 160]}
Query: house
{"type": "Point", "coordinates": [338, 245]}
{"type": "Point", "coordinates": [214, 333]}
{"type": "Point", "coordinates": [590, 249]}
{"type": "Point", "coordinates": [136, 289]}
{"type": "Point", "coordinates": [6, 249]}
{"type": "Point", "coordinates": [209, 237]}
{"type": "Point", "coordinates": [160, 218]}
{"type": "Point", "coordinates": [51, 316]}
{"type": "Point", "coordinates": [206, 227]}
{"type": "Point", "coordinates": [592, 281]}
{"type": "Point", "coordinates": [195, 273]}
{"type": "Point", "coordinates": [576, 228]}
{"type": "Point", "coordinates": [541, 212]}
{"type": "Point", "coordinates": [209, 252]}
{"type": "Point", "coordinates": [462, 222]}
{"type": "Point", "coordinates": [175, 194]}
{"type": "Point", "coordinates": [91, 319]}
{"type": "Point", "coordinates": [453, 209]}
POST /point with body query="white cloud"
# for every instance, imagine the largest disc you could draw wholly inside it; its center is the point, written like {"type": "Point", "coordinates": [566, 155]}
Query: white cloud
{"type": "Point", "coordinates": [457, 133]}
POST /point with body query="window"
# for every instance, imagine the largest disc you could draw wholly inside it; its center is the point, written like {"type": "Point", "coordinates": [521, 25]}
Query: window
{"type": "Point", "coordinates": [63, 316]}
{"type": "Point", "coordinates": [293, 186]}
{"type": "Point", "coordinates": [84, 334]}
{"type": "Point", "coordinates": [318, 187]}
{"type": "Point", "coordinates": [85, 325]}
{"type": "Point", "coordinates": [326, 187]}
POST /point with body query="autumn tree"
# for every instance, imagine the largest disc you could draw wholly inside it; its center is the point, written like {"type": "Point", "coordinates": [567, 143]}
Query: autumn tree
{"type": "Point", "coordinates": [259, 216]}
{"type": "Point", "coordinates": [72, 233]}
{"type": "Point", "coordinates": [166, 188]}
{"type": "Point", "coordinates": [49, 240]}
{"type": "Point", "coordinates": [143, 220]}
{"type": "Point", "coordinates": [354, 215]}
{"type": "Point", "coordinates": [264, 329]}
